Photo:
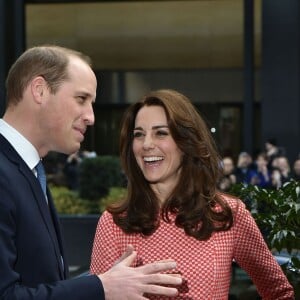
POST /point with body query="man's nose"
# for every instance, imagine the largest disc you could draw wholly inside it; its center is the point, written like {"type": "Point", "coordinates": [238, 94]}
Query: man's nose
{"type": "Point", "coordinates": [89, 116]}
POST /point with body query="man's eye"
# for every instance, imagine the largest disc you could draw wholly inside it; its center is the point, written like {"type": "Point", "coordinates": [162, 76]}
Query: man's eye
{"type": "Point", "coordinates": [81, 99]}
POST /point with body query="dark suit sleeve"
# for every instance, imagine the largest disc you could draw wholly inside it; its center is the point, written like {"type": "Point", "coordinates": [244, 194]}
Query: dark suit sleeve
{"type": "Point", "coordinates": [11, 286]}
{"type": "Point", "coordinates": [28, 263]}
{"type": "Point", "coordinates": [88, 287]}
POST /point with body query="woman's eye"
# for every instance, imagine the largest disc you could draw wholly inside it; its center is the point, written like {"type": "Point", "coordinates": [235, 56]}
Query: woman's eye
{"type": "Point", "coordinates": [137, 134]}
{"type": "Point", "coordinates": [162, 133]}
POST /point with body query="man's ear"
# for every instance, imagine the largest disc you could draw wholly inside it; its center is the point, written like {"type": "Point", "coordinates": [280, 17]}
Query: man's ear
{"type": "Point", "coordinates": [39, 88]}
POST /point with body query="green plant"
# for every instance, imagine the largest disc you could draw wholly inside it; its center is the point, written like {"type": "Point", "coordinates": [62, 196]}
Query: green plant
{"type": "Point", "coordinates": [115, 194]}
{"type": "Point", "coordinates": [277, 214]}
{"type": "Point", "coordinates": [68, 202]}
{"type": "Point", "coordinates": [97, 175]}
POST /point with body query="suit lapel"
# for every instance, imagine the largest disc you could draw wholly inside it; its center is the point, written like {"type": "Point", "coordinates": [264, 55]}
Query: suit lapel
{"type": "Point", "coordinates": [57, 227]}
{"type": "Point", "coordinates": [47, 212]}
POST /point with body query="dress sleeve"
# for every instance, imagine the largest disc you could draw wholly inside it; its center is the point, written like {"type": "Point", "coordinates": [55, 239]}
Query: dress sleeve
{"type": "Point", "coordinates": [105, 247]}
{"type": "Point", "coordinates": [252, 254]}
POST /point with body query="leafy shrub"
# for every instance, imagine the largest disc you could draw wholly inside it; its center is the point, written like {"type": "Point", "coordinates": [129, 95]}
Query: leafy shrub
{"type": "Point", "coordinates": [68, 202]}
{"type": "Point", "coordinates": [115, 194]}
{"type": "Point", "coordinates": [97, 175]}
{"type": "Point", "coordinates": [277, 214]}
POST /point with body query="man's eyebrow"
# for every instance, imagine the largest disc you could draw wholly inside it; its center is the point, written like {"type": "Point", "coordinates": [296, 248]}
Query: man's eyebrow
{"type": "Point", "coordinates": [86, 94]}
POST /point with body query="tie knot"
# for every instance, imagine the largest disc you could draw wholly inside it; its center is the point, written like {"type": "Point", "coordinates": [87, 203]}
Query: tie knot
{"type": "Point", "coordinates": [41, 176]}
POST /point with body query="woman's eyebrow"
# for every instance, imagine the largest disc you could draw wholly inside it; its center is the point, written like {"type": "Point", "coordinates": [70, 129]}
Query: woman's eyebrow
{"type": "Point", "coordinates": [153, 127]}
{"type": "Point", "coordinates": [160, 126]}
{"type": "Point", "coordinates": [138, 128]}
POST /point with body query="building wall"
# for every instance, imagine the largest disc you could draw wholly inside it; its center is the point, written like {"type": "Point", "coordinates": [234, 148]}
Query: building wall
{"type": "Point", "coordinates": [281, 74]}
{"type": "Point", "coordinates": [147, 35]}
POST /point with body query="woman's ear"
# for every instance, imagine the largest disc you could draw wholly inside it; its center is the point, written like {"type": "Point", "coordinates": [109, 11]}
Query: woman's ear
{"type": "Point", "coordinates": [39, 88]}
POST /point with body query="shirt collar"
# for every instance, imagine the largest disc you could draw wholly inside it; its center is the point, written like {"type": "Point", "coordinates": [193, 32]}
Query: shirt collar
{"type": "Point", "coordinates": [24, 148]}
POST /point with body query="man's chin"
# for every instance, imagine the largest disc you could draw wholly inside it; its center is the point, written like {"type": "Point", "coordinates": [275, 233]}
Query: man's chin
{"type": "Point", "coordinates": [70, 150]}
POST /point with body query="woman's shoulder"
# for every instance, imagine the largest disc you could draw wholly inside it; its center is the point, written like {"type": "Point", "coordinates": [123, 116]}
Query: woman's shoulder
{"type": "Point", "coordinates": [233, 202]}
{"type": "Point", "coordinates": [106, 219]}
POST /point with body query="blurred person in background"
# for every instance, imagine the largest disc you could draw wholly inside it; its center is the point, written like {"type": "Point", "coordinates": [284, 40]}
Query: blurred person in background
{"type": "Point", "coordinates": [276, 178]}
{"type": "Point", "coordinates": [261, 176]}
{"type": "Point", "coordinates": [296, 170]}
{"type": "Point", "coordinates": [272, 151]}
{"type": "Point", "coordinates": [71, 170]}
{"type": "Point", "coordinates": [228, 178]}
{"type": "Point", "coordinates": [283, 165]}
{"type": "Point", "coordinates": [244, 168]}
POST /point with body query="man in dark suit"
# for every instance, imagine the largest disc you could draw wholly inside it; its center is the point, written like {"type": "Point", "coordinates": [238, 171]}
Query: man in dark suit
{"type": "Point", "coordinates": [50, 92]}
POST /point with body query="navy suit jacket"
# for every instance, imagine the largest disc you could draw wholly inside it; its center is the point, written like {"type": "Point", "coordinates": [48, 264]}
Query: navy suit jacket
{"type": "Point", "coordinates": [31, 246]}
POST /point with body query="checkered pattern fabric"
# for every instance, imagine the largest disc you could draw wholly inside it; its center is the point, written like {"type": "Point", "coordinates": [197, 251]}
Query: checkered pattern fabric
{"type": "Point", "coordinates": [205, 265]}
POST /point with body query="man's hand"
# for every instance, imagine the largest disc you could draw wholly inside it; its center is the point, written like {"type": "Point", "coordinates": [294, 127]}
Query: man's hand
{"type": "Point", "coordinates": [128, 283]}
{"type": "Point", "coordinates": [128, 252]}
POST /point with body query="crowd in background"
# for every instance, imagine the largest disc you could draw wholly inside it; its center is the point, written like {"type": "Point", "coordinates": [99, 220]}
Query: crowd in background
{"type": "Point", "coordinates": [269, 168]}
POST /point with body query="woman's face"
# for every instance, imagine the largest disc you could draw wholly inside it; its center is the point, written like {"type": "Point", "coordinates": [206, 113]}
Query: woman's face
{"type": "Point", "coordinates": [228, 166]}
{"type": "Point", "coordinates": [261, 162]}
{"type": "Point", "coordinates": [155, 150]}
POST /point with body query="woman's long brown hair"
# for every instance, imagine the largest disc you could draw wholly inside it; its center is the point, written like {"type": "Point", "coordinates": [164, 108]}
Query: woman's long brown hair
{"type": "Point", "coordinates": [195, 198]}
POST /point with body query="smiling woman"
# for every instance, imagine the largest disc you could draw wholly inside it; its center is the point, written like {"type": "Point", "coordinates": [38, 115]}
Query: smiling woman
{"type": "Point", "coordinates": [155, 150]}
{"type": "Point", "coordinates": [174, 209]}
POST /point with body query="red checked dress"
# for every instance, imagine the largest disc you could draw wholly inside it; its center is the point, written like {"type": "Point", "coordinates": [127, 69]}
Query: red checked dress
{"type": "Point", "coordinates": [205, 265]}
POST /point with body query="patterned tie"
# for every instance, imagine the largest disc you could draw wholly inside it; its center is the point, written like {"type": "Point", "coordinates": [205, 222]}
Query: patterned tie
{"type": "Point", "coordinates": [41, 176]}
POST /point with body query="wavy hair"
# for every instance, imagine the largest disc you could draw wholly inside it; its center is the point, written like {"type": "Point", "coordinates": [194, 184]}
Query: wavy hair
{"type": "Point", "coordinates": [198, 206]}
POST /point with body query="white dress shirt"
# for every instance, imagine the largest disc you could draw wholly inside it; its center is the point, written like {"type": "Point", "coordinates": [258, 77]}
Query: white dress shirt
{"type": "Point", "coordinates": [24, 148]}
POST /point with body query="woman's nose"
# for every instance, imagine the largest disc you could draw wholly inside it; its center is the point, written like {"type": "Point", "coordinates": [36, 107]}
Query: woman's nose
{"type": "Point", "coordinates": [148, 142]}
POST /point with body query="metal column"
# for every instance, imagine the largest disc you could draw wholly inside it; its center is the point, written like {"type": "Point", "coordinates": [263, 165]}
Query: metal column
{"type": "Point", "coordinates": [248, 111]}
{"type": "Point", "coordinates": [12, 39]}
